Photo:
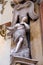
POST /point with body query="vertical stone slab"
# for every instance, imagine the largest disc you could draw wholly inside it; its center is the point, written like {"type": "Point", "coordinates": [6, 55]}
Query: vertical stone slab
{"type": "Point", "coordinates": [36, 44]}
{"type": "Point", "coordinates": [41, 17]}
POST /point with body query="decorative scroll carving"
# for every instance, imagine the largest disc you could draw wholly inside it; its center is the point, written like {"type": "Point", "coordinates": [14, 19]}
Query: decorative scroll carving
{"type": "Point", "coordinates": [3, 29]}
{"type": "Point", "coordinates": [22, 10]}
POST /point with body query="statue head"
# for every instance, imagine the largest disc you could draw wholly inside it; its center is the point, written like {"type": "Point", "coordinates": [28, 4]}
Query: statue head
{"type": "Point", "coordinates": [24, 19]}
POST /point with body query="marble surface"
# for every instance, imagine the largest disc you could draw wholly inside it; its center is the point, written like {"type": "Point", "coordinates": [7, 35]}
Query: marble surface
{"type": "Point", "coordinates": [5, 51]}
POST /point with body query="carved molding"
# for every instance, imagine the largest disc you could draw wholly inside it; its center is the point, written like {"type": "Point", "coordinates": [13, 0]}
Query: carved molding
{"type": "Point", "coordinates": [3, 29]}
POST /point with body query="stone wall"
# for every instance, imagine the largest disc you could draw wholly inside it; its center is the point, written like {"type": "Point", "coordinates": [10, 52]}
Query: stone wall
{"type": "Point", "coordinates": [36, 41]}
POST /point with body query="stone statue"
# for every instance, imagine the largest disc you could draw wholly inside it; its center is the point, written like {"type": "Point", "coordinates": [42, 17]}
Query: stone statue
{"type": "Point", "coordinates": [19, 37]}
{"type": "Point", "coordinates": [19, 34]}
{"type": "Point", "coordinates": [21, 10]}
{"type": "Point", "coordinates": [18, 30]}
